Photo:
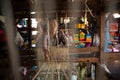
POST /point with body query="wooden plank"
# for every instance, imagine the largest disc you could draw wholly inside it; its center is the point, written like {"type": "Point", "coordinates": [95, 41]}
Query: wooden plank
{"type": "Point", "coordinates": [92, 59]}
{"type": "Point", "coordinates": [83, 50]}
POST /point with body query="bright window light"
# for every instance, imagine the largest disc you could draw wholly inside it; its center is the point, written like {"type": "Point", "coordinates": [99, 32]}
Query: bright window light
{"type": "Point", "coordinates": [116, 15]}
{"type": "Point", "coordinates": [33, 45]}
{"type": "Point", "coordinates": [33, 19]}
{"type": "Point", "coordinates": [32, 12]}
{"type": "Point", "coordinates": [34, 23]}
{"type": "Point", "coordinates": [26, 18]}
{"type": "Point", "coordinates": [66, 20]}
{"type": "Point", "coordinates": [34, 32]}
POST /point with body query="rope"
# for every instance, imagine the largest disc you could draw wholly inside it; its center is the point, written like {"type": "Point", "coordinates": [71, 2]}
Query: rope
{"type": "Point", "coordinates": [88, 8]}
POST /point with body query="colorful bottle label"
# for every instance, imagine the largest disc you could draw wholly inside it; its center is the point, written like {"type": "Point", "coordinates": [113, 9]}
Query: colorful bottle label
{"type": "Point", "coordinates": [82, 36]}
{"type": "Point", "coordinates": [88, 37]}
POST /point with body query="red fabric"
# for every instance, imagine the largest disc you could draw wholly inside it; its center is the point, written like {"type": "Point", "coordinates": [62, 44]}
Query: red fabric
{"type": "Point", "coordinates": [2, 36]}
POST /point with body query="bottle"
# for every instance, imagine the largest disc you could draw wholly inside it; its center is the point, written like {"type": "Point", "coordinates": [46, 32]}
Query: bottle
{"type": "Point", "coordinates": [82, 35]}
{"type": "Point", "coordinates": [88, 37]}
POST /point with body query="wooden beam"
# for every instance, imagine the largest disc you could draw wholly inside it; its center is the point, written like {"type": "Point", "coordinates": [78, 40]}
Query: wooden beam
{"type": "Point", "coordinates": [92, 60]}
{"type": "Point", "coordinates": [83, 50]}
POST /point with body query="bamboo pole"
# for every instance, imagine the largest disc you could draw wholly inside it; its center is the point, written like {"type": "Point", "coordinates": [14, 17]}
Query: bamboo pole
{"type": "Point", "coordinates": [49, 67]}
{"type": "Point", "coordinates": [52, 73]}
{"type": "Point", "coordinates": [39, 71]}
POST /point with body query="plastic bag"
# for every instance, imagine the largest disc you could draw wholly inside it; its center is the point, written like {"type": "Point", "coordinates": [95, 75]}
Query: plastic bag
{"type": "Point", "coordinates": [96, 40]}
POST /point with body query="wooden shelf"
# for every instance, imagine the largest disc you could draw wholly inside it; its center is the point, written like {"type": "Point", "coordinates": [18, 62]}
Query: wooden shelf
{"type": "Point", "coordinates": [83, 50]}
{"type": "Point", "coordinates": [93, 59]}
{"type": "Point", "coordinates": [81, 42]}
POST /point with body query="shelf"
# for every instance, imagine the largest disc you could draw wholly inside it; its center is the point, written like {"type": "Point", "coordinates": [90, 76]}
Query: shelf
{"type": "Point", "coordinates": [92, 59]}
{"type": "Point", "coordinates": [85, 50]}
{"type": "Point", "coordinates": [81, 42]}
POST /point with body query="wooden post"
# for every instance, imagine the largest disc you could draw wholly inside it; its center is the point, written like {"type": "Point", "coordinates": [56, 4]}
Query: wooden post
{"type": "Point", "coordinates": [29, 31]}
